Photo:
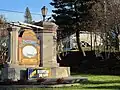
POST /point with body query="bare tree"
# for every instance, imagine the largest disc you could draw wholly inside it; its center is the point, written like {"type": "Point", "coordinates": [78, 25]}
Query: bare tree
{"type": "Point", "coordinates": [3, 39]}
{"type": "Point", "coordinates": [106, 21]}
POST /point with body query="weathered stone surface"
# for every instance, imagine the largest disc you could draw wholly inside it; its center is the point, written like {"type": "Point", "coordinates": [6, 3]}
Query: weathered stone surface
{"type": "Point", "coordinates": [8, 73]}
{"type": "Point", "coordinates": [48, 47]}
{"type": "Point", "coordinates": [14, 73]}
{"type": "Point", "coordinates": [14, 45]}
{"type": "Point", "coordinates": [17, 73]}
{"type": "Point", "coordinates": [46, 58]}
{"type": "Point", "coordinates": [59, 72]}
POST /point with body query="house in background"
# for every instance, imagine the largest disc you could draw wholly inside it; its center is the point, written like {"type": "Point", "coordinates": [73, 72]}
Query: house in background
{"type": "Point", "coordinates": [85, 38]}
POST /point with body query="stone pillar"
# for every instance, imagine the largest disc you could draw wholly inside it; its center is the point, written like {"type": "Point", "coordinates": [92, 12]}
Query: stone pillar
{"type": "Point", "coordinates": [48, 47]}
{"type": "Point", "coordinates": [14, 45]}
{"type": "Point", "coordinates": [11, 71]}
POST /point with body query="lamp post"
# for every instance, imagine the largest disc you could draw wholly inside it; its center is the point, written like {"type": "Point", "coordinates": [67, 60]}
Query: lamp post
{"type": "Point", "coordinates": [44, 12]}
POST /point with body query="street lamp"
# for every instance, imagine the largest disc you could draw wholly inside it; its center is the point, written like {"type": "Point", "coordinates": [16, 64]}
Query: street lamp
{"type": "Point", "coordinates": [44, 12]}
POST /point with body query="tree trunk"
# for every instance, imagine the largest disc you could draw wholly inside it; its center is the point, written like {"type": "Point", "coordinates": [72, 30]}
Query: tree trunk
{"type": "Point", "coordinates": [91, 39]}
{"type": "Point", "coordinates": [78, 43]}
{"type": "Point", "coordinates": [77, 30]}
{"type": "Point", "coordinates": [117, 43]}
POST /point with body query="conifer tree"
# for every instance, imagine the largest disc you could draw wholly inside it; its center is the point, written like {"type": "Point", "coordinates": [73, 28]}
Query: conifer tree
{"type": "Point", "coordinates": [72, 16]}
{"type": "Point", "coordinates": [28, 17]}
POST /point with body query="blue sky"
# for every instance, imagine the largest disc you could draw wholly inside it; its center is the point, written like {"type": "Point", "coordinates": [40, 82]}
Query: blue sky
{"type": "Point", "coordinates": [20, 5]}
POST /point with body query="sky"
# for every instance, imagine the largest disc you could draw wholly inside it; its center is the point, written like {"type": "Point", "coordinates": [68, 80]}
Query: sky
{"type": "Point", "coordinates": [20, 5]}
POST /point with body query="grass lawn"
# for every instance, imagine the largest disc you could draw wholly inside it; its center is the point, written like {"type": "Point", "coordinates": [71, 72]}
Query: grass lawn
{"type": "Point", "coordinates": [96, 82]}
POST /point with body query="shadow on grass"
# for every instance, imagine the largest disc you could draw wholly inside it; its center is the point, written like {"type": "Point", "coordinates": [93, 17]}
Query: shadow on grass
{"type": "Point", "coordinates": [8, 88]}
{"type": "Point", "coordinates": [102, 85]}
{"type": "Point", "coordinates": [105, 87]}
{"type": "Point", "coordinates": [103, 82]}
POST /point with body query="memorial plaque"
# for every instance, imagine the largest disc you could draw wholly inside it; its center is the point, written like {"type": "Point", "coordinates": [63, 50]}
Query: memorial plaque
{"type": "Point", "coordinates": [29, 49]}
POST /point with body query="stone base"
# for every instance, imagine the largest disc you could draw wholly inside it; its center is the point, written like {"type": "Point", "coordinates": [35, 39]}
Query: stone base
{"type": "Point", "coordinates": [47, 83]}
{"type": "Point", "coordinates": [18, 73]}
{"type": "Point", "coordinates": [13, 73]}
{"type": "Point", "coordinates": [59, 72]}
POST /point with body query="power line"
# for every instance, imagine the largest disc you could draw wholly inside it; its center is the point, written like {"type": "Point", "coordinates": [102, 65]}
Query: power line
{"type": "Point", "coordinates": [19, 12]}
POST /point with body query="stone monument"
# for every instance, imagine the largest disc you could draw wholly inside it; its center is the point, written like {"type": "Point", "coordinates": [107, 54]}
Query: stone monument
{"type": "Point", "coordinates": [32, 58]}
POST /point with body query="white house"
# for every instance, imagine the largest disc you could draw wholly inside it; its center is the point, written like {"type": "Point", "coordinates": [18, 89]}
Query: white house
{"type": "Point", "coordinates": [85, 39]}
